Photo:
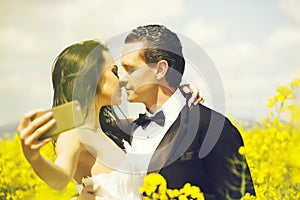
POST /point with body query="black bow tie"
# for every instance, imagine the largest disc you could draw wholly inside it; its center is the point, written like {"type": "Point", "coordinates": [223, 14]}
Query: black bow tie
{"type": "Point", "coordinates": [144, 120]}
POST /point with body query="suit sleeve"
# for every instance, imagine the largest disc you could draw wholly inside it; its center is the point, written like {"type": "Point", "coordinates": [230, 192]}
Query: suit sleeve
{"type": "Point", "coordinates": [227, 169]}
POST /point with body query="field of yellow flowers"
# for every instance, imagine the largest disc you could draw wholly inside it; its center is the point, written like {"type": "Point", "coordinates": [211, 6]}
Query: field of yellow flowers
{"type": "Point", "coordinates": [17, 179]}
{"type": "Point", "coordinates": [271, 147]}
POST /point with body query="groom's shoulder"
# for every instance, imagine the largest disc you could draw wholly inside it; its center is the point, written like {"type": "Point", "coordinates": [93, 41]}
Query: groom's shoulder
{"type": "Point", "coordinates": [208, 112]}
{"type": "Point", "coordinates": [208, 116]}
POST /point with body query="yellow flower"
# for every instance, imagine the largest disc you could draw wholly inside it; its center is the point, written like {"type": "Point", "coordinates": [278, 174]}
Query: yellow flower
{"type": "Point", "coordinates": [271, 102]}
{"type": "Point", "coordinates": [155, 188]}
{"type": "Point", "coordinates": [182, 197]}
{"type": "Point", "coordinates": [18, 180]}
{"type": "Point", "coordinates": [295, 83]}
{"type": "Point", "coordinates": [173, 193]}
{"type": "Point", "coordinates": [242, 150]}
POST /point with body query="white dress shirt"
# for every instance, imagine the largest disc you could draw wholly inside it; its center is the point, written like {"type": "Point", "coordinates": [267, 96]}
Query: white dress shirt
{"type": "Point", "coordinates": [145, 141]}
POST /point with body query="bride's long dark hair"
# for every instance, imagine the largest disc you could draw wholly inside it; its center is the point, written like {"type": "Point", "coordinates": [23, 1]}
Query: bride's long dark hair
{"type": "Point", "coordinates": [75, 76]}
{"type": "Point", "coordinates": [76, 73]}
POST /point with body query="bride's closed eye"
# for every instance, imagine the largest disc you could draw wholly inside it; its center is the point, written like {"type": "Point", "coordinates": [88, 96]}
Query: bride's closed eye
{"type": "Point", "coordinates": [114, 69]}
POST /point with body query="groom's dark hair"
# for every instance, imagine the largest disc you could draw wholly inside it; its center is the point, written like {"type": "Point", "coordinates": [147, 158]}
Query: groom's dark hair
{"type": "Point", "coordinates": [159, 43]}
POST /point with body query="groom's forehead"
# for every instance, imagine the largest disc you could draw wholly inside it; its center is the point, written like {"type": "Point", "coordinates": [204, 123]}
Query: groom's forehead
{"type": "Point", "coordinates": [132, 47]}
{"type": "Point", "coordinates": [131, 54]}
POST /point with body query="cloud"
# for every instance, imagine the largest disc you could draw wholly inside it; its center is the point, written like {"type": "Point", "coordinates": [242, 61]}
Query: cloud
{"type": "Point", "coordinates": [285, 39]}
{"type": "Point", "coordinates": [33, 33]}
{"type": "Point", "coordinates": [204, 33]}
{"type": "Point", "coordinates": [53, 24]}
{"type": "Point", "coordinates": [291, 8]}
{"type": "Point", "coordinates": [252, 69]}
{"type": "Point", "coordinates": [14, 42]}
{"type": "Point", "coordinates": [236, 55]}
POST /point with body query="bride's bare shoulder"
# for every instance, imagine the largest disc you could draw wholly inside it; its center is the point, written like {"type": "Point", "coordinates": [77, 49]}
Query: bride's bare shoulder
{"type": "Point", "coordinates": [68, 139]}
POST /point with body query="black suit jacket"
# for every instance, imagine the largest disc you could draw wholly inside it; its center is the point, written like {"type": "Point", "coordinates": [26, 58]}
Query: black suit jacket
{"type": "Point", "coordinates": [201, 148]}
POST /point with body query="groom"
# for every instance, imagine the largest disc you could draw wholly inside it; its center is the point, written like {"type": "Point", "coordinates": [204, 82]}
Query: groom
{"type": "Point", "coordinates": [154, 64]}
{"type": "Point", "coordinates": [196, 145]}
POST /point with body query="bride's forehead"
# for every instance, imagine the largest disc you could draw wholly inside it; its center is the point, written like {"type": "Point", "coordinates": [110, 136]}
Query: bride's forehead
{"type": "Point", "coordinates": [108, 60]}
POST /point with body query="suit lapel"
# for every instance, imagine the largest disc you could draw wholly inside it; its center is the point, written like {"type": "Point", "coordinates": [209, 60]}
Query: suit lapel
{"type": "Point", "coordinates": [164, 148]}
{"type": "Point", "coordinates": [176, 141]}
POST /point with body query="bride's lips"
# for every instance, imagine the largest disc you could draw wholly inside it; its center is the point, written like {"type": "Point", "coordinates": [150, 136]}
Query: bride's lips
{"type": "Point", "coordinates": [118, 92]}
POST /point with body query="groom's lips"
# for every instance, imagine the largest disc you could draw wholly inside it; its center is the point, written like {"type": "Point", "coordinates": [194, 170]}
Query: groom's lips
{"type": "Point", "coordinates": [128, 90]}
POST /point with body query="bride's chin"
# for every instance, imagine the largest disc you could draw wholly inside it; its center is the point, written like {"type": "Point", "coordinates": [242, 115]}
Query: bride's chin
{"type": "Point", "coordinates": [116, 102]}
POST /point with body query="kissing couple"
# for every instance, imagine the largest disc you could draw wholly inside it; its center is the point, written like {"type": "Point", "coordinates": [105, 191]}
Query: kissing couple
{"type": "Point", "coordinates": [109, 157]}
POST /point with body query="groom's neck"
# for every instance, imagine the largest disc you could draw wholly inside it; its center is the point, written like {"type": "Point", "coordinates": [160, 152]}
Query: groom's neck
{"type": "Point", "coordinates": [162, 95]}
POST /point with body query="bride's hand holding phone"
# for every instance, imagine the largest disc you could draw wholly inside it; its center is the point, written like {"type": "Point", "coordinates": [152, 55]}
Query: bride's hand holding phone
{"type": "Point", "coordinates": [30, 130]}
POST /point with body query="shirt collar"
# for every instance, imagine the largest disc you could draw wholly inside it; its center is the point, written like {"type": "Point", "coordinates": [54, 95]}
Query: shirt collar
{"type": "Point", "coordinates": [172, 106]}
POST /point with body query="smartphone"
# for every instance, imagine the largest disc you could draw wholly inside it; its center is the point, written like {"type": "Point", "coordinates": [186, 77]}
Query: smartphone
{"type": "Point", "coordinates": [67, 116]}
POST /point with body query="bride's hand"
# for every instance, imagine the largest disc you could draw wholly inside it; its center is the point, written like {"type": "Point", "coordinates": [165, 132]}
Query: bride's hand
{"type": "Point", "coordinates": [30, 130]}
{"type": "Point", "coordinates": [194, 92]}
{"type": "Point", "coordinates": [88, 192]}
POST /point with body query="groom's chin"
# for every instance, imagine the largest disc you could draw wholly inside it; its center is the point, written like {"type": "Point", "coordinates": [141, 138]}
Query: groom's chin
{"type": "Point", "coordinates": [130, 96]}
{"type": "Point", "coordinates": [131, 99]}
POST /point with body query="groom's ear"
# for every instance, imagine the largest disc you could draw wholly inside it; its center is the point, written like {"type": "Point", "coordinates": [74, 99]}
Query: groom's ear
{"type": "Point", "coordinates": [161, 69]}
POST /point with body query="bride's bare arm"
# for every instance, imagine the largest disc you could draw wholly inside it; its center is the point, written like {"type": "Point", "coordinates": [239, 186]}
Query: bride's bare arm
{"type": "Point", "coordinates": [68, 148]}
{"type": "Point", "coordinates": [57, 174]}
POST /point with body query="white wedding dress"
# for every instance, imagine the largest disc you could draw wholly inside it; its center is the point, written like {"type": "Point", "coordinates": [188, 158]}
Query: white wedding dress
{"type": "Point", "coordinates": [117, 185]}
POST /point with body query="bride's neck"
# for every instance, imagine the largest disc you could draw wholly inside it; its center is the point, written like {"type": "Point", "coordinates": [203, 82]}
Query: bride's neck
{"type": "Point", "coordinates": [92, 118]}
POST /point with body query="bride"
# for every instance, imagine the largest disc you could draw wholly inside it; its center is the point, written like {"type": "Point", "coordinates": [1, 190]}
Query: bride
{"type": "Point", "coordinates": [87, 73]}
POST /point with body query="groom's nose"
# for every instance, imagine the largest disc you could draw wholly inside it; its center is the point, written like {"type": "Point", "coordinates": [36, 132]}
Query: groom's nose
{"type": "Point", "coordinates": [123, 78]}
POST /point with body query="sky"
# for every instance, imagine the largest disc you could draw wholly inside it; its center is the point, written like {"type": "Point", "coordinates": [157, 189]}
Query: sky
{"type": "Point", "coordinates": [254, 45]}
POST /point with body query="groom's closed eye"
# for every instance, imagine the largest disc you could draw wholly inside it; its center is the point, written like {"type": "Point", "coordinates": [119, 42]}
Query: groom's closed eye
{"type": "Point", "coordinates": [129, 69]}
